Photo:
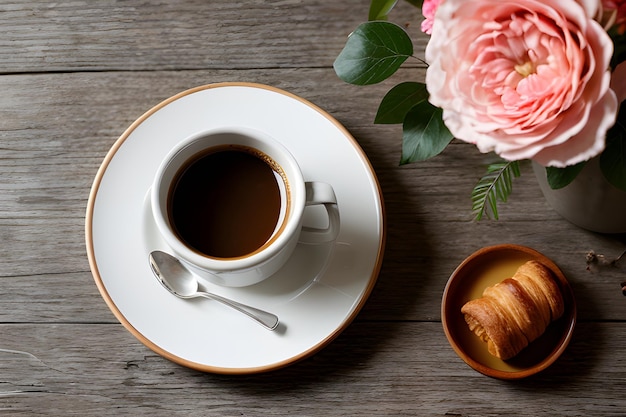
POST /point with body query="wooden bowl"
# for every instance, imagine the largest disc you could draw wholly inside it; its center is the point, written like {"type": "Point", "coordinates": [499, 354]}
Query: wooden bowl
{"type": "Point", "coordinates": [487, 267]}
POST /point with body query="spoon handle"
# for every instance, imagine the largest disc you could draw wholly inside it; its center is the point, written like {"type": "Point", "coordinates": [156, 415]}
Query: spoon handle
{"type": "Point", "coordinates": [267, 320]}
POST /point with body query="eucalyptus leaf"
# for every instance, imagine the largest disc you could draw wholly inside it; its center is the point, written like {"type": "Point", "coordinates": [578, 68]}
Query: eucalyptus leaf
{"type": "Point", "coordinates": [424, 134]}
{"type": "Point", "coordinates": [399, 100]}
{"type": "Point", "coordinates": [560, 177]}
{"type": "Point", "coordinates": [373, 52]}
{"type": "Point", "coordinates": [379, 9]}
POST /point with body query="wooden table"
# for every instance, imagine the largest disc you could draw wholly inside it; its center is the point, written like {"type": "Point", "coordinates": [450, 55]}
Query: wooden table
{"type": "Point", "coordinates": [75, 75]}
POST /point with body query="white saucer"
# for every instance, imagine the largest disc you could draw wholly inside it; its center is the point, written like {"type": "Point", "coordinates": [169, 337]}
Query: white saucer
{"type": "Point", "coordinates": [317, 293]}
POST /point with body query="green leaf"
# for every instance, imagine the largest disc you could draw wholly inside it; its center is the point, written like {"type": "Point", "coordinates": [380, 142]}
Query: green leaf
{"type": "Point", "coordinates": [424, 134]}
{"type": "Point", "coordinates": [373, 52]}
{"type": "Point", "coordinates": [619, 47]}
{"type": "Point", "coordinates": [399, 100]}
{"type": "Point", "coordinates": [560, 177]}
{"type": "Point", "coordinates": [613, 158]}
{"type": "Point", "coordinates": [379, 9]}
{"type": "Point", "coordinates": [496, 185]}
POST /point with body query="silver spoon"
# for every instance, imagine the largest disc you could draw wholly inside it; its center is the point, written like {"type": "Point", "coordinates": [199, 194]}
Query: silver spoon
{"type": "Point", "coordinates": [179, 281]}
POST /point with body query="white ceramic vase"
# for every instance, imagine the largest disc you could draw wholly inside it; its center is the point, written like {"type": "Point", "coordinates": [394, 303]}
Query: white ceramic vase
{"type": "Point", "coordinates": [589, 201]}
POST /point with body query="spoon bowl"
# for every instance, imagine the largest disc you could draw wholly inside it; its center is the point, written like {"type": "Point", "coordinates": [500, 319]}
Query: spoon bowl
{"type": "Point", "coordinates": [173, 275]}
{"type": "Point", "coordinates": [177, 279]}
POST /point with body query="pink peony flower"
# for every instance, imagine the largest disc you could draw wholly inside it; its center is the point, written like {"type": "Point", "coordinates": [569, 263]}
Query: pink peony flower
{"type": "Point", "coordinates": [428, 10]}
{"type": "Point", "coordinates": [528, 79]}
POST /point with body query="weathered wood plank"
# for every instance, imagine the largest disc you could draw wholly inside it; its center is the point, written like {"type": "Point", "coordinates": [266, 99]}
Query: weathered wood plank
{"type": "Point", "coordinates": [373, 369]}
{"type": "Point", "coordinates": [40, 36]}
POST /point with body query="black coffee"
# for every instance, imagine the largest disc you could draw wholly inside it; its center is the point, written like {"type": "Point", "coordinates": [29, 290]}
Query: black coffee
{"type": "Point", "coordinates": [226, 203]}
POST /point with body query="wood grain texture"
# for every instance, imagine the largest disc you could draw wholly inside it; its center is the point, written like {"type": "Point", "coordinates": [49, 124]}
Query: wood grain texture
{"type": "Point", "coordinates": [76, 74]}
{"type": "Point", "coordinates": [373, 369]}
{"type": "Point", "coordinates": [183, 35]}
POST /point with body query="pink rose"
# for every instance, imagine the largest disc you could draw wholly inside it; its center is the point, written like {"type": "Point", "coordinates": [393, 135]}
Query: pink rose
{"type": "Point", "coordinates": [428, 10]}
{"type": "Point", "coordinates": [528, 79]}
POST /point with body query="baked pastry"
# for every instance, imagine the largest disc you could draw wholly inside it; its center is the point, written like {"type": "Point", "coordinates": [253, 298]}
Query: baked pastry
{"type": "Point", "coordinates": [516, 311]}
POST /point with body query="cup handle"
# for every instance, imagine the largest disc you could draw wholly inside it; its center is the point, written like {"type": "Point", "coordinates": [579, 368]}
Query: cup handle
{"type": "Point", "coordinates": [321, 193]}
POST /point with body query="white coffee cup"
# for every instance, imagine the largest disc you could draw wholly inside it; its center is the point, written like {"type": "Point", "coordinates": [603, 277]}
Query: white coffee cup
{"type": "Point", "coordinates": [240, 269]}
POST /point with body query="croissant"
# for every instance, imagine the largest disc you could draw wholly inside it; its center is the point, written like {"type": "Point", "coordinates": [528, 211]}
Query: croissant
{"type": "Point", "coordinates": [516, 311]}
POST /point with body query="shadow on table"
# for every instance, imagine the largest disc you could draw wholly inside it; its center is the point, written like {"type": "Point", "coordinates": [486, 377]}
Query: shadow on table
{"type": "Point", "coordinates": [407, 267]}
{"type": "Point", "coordinates": [580, 359]}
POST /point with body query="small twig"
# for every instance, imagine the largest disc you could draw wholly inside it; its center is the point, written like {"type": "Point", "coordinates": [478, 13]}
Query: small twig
{"type": "Point", "coordinates": [619, 257]}
{"type": "Point", "coordinates": [422, 61]}
{"type": "Point", "coordinates": [601, 260]}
